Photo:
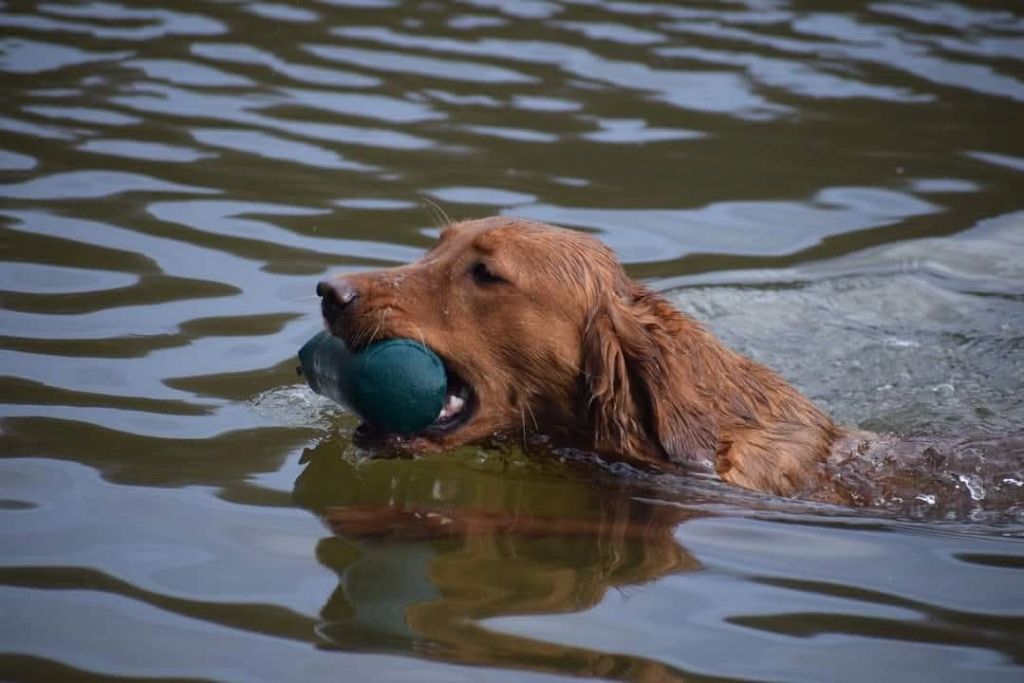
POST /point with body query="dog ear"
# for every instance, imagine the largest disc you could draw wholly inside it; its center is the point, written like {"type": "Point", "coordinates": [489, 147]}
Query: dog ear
{"type": "Point", "coordinates": [641, 393]}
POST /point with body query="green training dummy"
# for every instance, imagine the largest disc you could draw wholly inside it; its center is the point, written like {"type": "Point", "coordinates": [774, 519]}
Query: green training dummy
{"type": "Point", "coordinates": [397, 385]}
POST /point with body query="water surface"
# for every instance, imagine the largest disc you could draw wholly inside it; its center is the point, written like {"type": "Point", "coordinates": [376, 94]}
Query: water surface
{"type": "Point", "coordinates": [836, 189]}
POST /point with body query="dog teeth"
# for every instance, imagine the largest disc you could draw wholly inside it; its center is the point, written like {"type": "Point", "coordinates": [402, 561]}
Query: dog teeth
{"type": "Point", "coordinates": [454, 405]}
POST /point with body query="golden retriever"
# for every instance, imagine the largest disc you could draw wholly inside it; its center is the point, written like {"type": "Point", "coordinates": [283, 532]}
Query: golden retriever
{"type": "Point", "coordinates": [540, 329]}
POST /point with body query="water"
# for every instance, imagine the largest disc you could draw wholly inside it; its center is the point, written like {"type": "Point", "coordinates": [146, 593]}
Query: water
{"type": "Point", "coordinates": [837, 190]}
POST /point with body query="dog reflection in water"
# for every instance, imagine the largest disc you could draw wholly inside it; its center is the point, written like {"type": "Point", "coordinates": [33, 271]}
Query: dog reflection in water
{"type": "Point", "coordinates": [426, 550]}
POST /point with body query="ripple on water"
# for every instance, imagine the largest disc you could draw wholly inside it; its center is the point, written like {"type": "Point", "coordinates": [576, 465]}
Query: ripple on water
{"type": "Point", "coordinates": [246, 54]}
{"type": "Point", "coordinates": [180, 72]}
{"type": "Point", "coordinates": [480, 195]}
{"type": "Point", "coordinates": [101, 117]}
{"type": "Point", "coordinates": [142, 24]}
{"type": "Point", "coordinates": [296, 405]}
{"type": "Point", "coordinates": [636, 131]}
{"type": "Point", "coordinates": [148, 151]}
{"type": "Point", "coordinates": [37, 278]}
{"type": "Point", "coordinates": [153, 98]}
{"type": "Point", "coordinates": [431, 67]}
{"type": "Point", "coordinates": [702, 91]}
{"type": "Point", "coordinates": [277, 148]}
{"type": "Point", "coordinates": [12, 161]}
{"type": "Point", "coordinates": [177, 177]}
{"type": "Point", "coordinates": [24, 56]}
{"type": "Point", "coordinates": [46, 132]}
{"type": "Point", "coordinates": [93, 184]}
{"type": "Point", "coordinates": [279, 12]}
{"type": "Point", "coordinates": [737, 227]}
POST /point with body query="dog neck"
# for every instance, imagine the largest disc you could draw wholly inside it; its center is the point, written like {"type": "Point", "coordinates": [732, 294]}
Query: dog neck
{"type": "Point", "coordinates": [697, 403]}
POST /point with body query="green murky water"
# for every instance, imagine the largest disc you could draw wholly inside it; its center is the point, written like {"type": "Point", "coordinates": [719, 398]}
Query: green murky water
{"type": "Point", "coordinates": [837, 189]}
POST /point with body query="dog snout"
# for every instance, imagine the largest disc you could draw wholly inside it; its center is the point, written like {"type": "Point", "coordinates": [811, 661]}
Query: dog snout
{"type": "Point", "coordinates": [335, 295]}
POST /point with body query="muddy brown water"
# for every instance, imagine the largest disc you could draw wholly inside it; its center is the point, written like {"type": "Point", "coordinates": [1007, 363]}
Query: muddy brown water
{"type": "Point", "coordinates": [836, 188]}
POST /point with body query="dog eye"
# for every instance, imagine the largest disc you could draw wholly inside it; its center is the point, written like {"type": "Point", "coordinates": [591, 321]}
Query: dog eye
{"type": "Point", "coordinates": [482, 275]}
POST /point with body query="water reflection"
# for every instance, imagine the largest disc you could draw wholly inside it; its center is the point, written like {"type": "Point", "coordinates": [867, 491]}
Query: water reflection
{"type": "Point", "coordinates": [150, 23]}
{"type": "Point", "coordinates": [470, 564]}
{"type": "Point", "coordinates": [22, 56]}
{"type": "Point", "coordinates": [738, 228]}
{"type": "Point", "coordinates": [438, 551]}
{"type": "Point", "coordinates": [149, 151]}
{"type": "Point", "coordinates": [175, 177]}
{"type": "Point", "coordinates": [247, 54]}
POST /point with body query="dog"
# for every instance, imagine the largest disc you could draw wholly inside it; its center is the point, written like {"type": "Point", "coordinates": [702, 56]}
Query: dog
{"type": "Point", "coordinates": [541, 331]}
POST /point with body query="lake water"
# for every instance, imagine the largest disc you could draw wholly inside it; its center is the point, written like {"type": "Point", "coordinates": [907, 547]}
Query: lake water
{"type": "Point", "coordinates": [838, 190]}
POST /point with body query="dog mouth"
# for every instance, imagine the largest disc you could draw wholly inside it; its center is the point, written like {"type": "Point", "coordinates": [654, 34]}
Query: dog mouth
{"type": "Point", "coordinates": [460, 405]}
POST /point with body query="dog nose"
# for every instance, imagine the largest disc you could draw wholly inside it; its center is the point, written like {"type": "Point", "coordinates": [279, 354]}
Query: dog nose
{"type": "Point", "coordinates": [339, 292]}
